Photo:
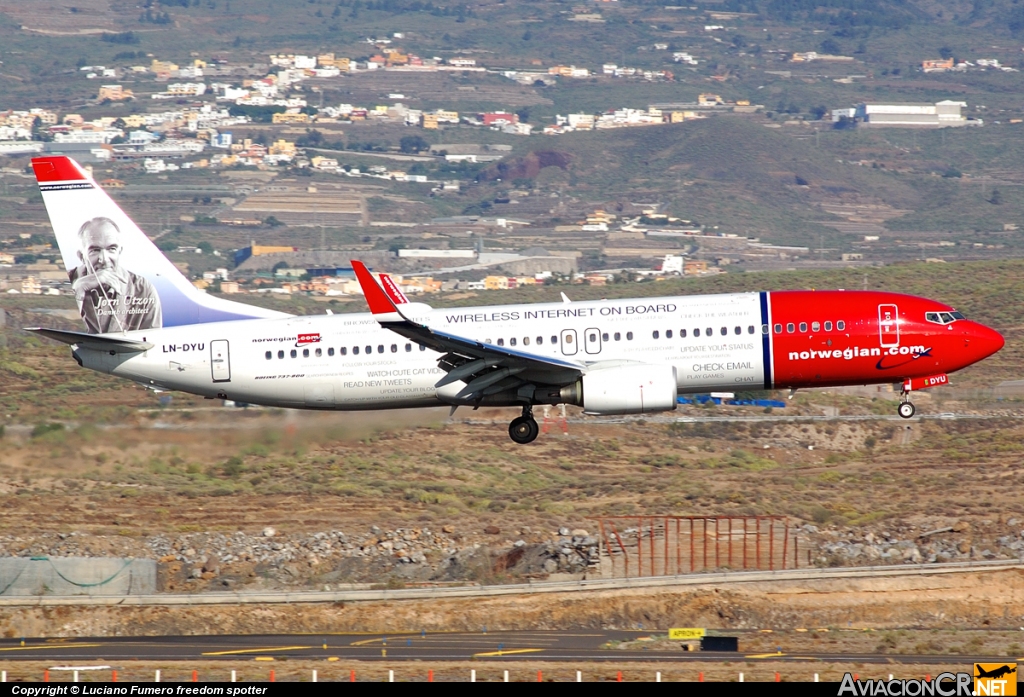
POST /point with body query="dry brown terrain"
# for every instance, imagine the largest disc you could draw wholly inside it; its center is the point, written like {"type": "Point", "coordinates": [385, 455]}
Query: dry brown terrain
{"type": "Point", "coordinates": [519, 671]}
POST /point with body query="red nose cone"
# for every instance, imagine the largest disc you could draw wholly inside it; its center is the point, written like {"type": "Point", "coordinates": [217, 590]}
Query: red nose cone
{"type": "Point", "coordinates": [981, 342]}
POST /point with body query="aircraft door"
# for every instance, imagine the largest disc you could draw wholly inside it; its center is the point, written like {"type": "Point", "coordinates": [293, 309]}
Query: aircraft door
{"type": "Point", "coordinates": [592, 341]}
{"type": "Point", "coordinates": [888, 325]}
{"type": "Point", "coordinates": [569, 344]}
{"type": "Point", "coordinates": [220, 360]}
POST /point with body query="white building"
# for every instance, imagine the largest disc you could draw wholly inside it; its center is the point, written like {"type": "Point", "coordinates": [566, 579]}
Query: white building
{"type": "Point", "coordinates": [104, 136]}
{"type": "Point", "coordinates": [939, 115]}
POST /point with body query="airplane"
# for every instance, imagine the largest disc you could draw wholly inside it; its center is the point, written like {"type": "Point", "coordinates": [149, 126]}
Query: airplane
{"type": "Point", "coordinates": [146, 322]}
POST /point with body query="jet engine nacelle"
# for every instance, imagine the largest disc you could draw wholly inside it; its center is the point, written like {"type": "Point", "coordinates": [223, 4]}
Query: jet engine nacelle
{"type": "Point", "coordinates": [624, 389]}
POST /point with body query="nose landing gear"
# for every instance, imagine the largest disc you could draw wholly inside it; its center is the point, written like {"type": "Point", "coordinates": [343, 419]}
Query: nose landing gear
{"type": "Point", "coordinates": [905, 409]}
{"type": "Point", "coordinates": [524, 429]}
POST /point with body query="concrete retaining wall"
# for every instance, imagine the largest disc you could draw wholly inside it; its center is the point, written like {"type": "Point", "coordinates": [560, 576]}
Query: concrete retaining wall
{"type": "Point", "coordinates": [107, 576]}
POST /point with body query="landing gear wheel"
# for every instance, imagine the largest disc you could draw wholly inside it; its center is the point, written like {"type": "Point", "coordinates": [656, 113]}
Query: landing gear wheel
{"type": "Point", "coordinates": [906, 410]}
{"type": "Point", "coordinates": [523, 430]}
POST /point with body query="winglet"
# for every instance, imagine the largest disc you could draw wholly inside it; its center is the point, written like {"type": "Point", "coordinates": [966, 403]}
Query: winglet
{"type": "Point", "coordinates": [394, 293]}
{"type": "Point", "coordinates": [381, 306]}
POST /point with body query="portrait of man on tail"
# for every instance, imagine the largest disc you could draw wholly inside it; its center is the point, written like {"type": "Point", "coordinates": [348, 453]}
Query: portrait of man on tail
{"type": "Point", "coordinates": [110, 297]}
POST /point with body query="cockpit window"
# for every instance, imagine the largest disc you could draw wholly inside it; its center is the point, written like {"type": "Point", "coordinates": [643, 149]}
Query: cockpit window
{"type": "Point", "coordinates": [943, 317]}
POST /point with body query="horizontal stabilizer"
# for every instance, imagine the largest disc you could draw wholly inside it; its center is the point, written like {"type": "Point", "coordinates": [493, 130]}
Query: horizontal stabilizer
{"type": "Point", "coordinates": [94, 342]}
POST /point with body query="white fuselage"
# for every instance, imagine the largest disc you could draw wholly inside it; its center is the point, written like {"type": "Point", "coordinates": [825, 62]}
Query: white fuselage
{"type": "Point", "coordinates": [349, 362]}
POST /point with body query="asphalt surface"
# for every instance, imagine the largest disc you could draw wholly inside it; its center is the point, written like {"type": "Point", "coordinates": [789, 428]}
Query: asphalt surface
{"type": "Point", "coordinates": [580, 645]}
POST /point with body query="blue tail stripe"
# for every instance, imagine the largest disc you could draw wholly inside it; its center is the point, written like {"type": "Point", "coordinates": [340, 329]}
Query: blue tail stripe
{"type": "Point", "coordinates": [766, 349]}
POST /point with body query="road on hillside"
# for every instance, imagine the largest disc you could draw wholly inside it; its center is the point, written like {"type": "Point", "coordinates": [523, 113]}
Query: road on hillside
{"type": "Point", "coordinates": [554, 645]}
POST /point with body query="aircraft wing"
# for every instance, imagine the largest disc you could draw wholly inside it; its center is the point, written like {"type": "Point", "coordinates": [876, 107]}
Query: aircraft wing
{"type": "Point", "coordinates": [485, 368]}
{"type": "Point", "coordinates": [96, 342]}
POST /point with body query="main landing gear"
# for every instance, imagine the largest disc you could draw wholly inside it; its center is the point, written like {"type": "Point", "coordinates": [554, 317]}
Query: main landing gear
{"type": "Point", "coordinates": [524, 429]}
{"type": "Point", "coordinates": [905, 409]}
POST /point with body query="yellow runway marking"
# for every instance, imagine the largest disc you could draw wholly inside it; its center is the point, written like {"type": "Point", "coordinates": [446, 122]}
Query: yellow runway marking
{"type": "Point", "coordinates": [765, 655]}
{"type": "Point", "coordinates": [364, 642]}
{"type": "Point", "coordinates": [264, 649]}
{"type": "Point", "coordinates": [46, 647]}
{"type": "Point", "coordinates": [506, 652]}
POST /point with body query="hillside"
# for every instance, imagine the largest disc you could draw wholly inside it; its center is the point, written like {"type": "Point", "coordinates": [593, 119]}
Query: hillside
{"type": "Point", "coordinates": [728, 172]}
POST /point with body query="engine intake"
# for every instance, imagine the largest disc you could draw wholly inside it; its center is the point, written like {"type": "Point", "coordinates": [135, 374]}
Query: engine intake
{"type": "Point", "coordinates": [628, 389]}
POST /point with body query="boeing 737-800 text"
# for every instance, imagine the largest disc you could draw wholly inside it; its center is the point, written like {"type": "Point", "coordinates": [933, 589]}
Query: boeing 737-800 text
{"type": "Point", "coordinates": [144, 321]}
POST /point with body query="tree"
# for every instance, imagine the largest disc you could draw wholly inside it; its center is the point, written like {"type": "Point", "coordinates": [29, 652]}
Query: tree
{"type": "Point", "coordinates": [831, 46]}
{"type": "Point", "coordinates": [205, 247]}
{"type": "Point", "coordinates": [413, 144]}
{"type": "Point", "coordinates": [819, 111]}
{"type": "Point", "coordinates": [271, 221]}
{"type": "Point", "coordinates": [946, 52]}
{"type": "Point", "coordinates": [523, 114]}
{"type": "Point", "coordinates": [996, 198]}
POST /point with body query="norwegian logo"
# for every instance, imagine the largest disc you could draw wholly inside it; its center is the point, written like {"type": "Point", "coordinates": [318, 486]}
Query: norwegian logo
{"type": "Point", "coordinates": [394, 291]}
{"type": "Point", "coordinates": [307, 339]}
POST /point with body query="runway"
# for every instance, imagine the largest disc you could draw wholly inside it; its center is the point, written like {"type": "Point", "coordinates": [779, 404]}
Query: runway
{"type": "Point", "coordinates": [582, 645]}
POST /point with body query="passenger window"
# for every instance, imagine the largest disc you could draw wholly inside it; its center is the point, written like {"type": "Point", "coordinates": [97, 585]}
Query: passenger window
{"type": "Point", "coordinates": [840, 325]}
{"type": "Point", "coordinates": [617, 336]}
{"type": "Point", "coordinates": [725, 331]}
{"type": "Point", "coordinates": [828, 326]}
{"type": "Point", "coordinates": [790, 327]}
{"type": "Point", "coordinates": [750, 329]}
{"type": "Point", "coordinates": [526, 341]}
{"type": "Point", "coordinates": [501, 342]}
{"type": "Point", "coordinates": [540, 340]}
{"type": "Point", "coordinates": [355, 350]}
{"type": "Point", "coordinates": [319, 353]}
{"type": "Point", "coordinates": [343, 350]}
{"type": "Point", "coordinates": [554, 339]}
{"type": "Point", "coordinates": [568, 338]}
{"type": "Point", "coordinates": [294, 353]}
{"type": "Point", "coordinates": [512, 341]}
{"type": "Point", "coordinates": [708, 332]}
{"type": "Point", "coordinates": [280, 354]}
{"type": "Point", "coordinates": [764, 329]}
{"type": "Point", "coordinates": [682, 333]}
{"type": "Point", "coordinates": [604, 337]}
{"type": "Point", "coordinates": [269, 355]}
{"type": "Point", "coordinates": [368, 350]}
{"type": "Point", "coordinates": [696, 332]}
{"type": "Point", "coordinates": [803, 327]}
{"type": "Point", "coordinates": [738, 330]}
{"type": "Point", "coordinates": [305, 353]}
{"type": "Point", "coordinates": [629, 336]}
{"type": "Point", "coordinates": [778, 328]}
{"type": "Point", "coordinates": [380, 348]}
{"type": "Point", "coordinates": [593, 338]}
{"type": "Point", "coordinates": [815, 327]}
{"type": "Point", "coordinates": [656, 334]}
{"type": "Point", "coordinates": [330, 351]}
{"type": "Point", "coordinates": [408, 348]}
{"type": "Point", "coordinates": [422, 347]}
{"type": "Point", "coordinates": [394, 348]}
{"type": "Point", "coordinates": [668, 333]}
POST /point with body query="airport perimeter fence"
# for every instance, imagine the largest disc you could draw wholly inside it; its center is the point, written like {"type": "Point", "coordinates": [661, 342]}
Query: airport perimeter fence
{"type": "Point", "coordinates": [649, 546]}
{"type": "Point", "coordinates": [106, 673]}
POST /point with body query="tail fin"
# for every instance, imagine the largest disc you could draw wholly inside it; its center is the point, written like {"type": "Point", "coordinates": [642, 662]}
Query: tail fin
{"type": "Point", "coordinates": [122, 282]}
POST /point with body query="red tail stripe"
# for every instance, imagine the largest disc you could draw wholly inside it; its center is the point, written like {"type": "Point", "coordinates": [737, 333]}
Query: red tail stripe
{"type": "Point", "coordinates": [55, 169]}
